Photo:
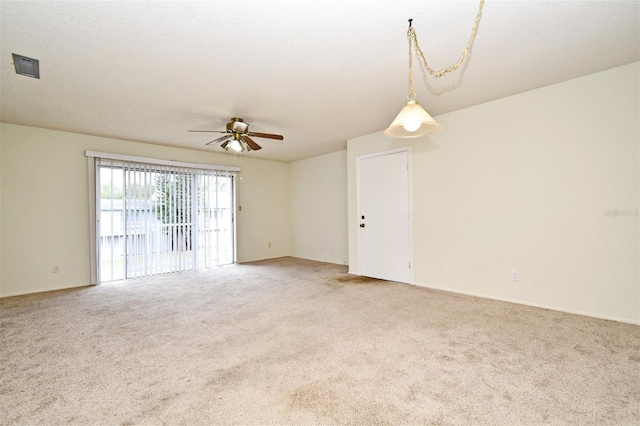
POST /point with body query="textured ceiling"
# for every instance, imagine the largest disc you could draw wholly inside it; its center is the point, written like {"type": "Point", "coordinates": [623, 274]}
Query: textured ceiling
{"type": "Point", "coordinates": [318, 73]}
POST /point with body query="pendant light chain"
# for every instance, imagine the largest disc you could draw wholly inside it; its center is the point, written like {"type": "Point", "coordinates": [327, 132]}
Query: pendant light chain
{"type": "Point", "coordinates": [411, 35]}
{"type": "Point", "coordinates": [413, 39]}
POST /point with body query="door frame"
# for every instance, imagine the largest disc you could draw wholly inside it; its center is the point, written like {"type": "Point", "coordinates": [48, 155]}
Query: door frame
{"type": "Point", "coordinates": [407, 150]}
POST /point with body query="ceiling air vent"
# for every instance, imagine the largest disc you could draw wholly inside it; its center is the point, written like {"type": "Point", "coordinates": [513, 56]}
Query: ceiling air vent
{"type": "Point", "coordinates": [26, 66]}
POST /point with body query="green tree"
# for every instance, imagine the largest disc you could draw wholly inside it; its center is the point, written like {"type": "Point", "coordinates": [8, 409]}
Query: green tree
{"type": "Point", "coordinates": [107, 191]}
{"type": "Point", "coordinates": [137, 191]}
{"type": "Point", "coordinates": [134, 191]}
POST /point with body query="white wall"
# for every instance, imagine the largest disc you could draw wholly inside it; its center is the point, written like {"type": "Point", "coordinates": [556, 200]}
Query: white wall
{"type": "Point", "coordinates": [319, 204]}
{"type": "Point", "coordinates": [525, 183]}
{"type": "Point", "coordinates": [45, 205]}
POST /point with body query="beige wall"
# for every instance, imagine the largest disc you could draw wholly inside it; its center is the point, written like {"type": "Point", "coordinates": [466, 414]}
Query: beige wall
{"type": "Point", "coordinates": [319, 205]}
{"type": "Point", "coordinates": [525, 183]}
{"type": "Point", "coordinates": [45, 205]}
{"type": "Point", "coordinates": [265, 217]}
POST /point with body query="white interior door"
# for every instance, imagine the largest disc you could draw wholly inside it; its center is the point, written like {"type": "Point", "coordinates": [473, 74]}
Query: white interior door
{"type": "Point", "coordinates": [384, 244]}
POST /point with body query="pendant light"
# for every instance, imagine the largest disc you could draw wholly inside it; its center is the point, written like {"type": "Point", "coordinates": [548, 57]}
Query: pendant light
{"type": "Point", "coordinates": [413, 121]}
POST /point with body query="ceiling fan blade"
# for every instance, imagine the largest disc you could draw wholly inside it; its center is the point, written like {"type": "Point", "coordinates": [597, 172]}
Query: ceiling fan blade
{"type": "Point", "coordinates": [208, 131]}
{"type": "Point", "coordinates": [224, 144]}
{"type": "Point", "coordinates": [266, 135]}
{"type": "Point", "coordinates": [223, 138]}
{"type": "Point", "coordinates": [254, 146]}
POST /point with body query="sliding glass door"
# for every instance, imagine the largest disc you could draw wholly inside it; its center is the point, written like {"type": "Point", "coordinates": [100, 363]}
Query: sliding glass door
{"type": "Point", "coordinates": [156, 219]}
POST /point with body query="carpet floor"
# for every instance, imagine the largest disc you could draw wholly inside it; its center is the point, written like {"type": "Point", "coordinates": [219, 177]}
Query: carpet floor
{"type": "Point", "coordinates": [291, 341]}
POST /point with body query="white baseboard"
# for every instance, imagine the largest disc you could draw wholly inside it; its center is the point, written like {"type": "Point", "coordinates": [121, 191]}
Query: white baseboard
{"type": "Point", "coordinates": [535, 305]}
{"type": "Point", "coordinates": [332, 261]}
{"type": "Point", "coordinates": [44, 290]}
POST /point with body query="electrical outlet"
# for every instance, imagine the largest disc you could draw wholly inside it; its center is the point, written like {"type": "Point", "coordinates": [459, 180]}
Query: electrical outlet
{"type": "Point", "coordinates": [515, 275]}
{"type": "Point", "coordinates": [269, 245]}
{"type": "Point", "coordinates": [56, 269]}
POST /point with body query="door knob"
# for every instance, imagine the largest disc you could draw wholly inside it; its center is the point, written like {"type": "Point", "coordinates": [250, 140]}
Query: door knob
{"type": "Point", "coordinates": [362, 225]}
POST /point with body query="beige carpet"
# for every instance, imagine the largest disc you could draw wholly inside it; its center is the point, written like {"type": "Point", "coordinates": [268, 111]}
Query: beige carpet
{"type": "Point", "coordinates": [290, 341]}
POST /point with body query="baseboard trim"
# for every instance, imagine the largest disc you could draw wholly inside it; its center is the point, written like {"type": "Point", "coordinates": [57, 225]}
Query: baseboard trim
{"type": "Point", "coordinates": [333, 262]}
{"type": "Point", "coordinates": [46, 290]}
{"type": "Point", "coordinates": [240, 262]}
{"type": "Point", "coordinates": [535, 305]}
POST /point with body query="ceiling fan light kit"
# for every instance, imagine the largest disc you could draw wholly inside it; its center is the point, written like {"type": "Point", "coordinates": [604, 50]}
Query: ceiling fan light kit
{"type": "Point", "coordinates": [413, 121]}
{"type": "Point", "coordinates": [235, 145]}
{"type": "Point", "coordinates": [237, 136]}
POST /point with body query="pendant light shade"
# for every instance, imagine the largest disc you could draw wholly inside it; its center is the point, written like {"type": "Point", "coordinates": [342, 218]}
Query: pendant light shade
{"type": "Point", "coordinates": [412, 122]}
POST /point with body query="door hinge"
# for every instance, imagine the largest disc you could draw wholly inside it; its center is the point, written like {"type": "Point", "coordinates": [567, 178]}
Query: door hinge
{"type": "Point", "coordinates": [409, 264]}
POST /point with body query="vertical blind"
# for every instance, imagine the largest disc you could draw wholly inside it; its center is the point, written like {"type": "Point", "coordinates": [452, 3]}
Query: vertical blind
{"type": "Point", "coordinates": [154, 219]}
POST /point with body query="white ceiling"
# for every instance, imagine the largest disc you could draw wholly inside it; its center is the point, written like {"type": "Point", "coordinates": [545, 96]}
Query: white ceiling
{"type": "Point", "coordinates": [318, 73]}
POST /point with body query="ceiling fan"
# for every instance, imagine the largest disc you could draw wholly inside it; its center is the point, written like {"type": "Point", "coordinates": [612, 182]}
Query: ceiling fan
{"type": "Point", "coordinates": [237, 137]}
